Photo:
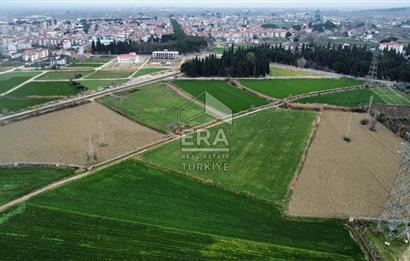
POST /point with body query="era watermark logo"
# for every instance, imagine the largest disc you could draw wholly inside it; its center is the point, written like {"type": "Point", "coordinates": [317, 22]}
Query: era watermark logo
{"type": "Point", "coordinates": [206, 150]}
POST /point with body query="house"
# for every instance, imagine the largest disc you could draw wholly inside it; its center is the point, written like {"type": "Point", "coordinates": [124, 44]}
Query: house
{"type": "Point", "coordinates": [388, 46]}
{"type": "Point", "coordinates": [33, 55]}
{"type": "Point", "coordinates": [130, 58]}
{"type": "Point", "coordinates": [159, 55]}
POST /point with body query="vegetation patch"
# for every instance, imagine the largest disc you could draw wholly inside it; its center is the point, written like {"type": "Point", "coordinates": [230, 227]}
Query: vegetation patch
{"type": "Point", "coordinates": [97, 84]}
{"type": "Point", "coordinates": [102, 74]}
{"type": "Point", "coordinates": [15, 182]}
{"type": "Point", "coordinates": [282, 88]}
{"type": "Point", "coordinates": [255, 167]}
{"type": "Point", "coordinates": [170, 218]}
{"type": "Point", "coordinates": [232, 97]}
{"type": "Point", "coordinates": [155, 106]}
{"type": "Point", "coordinates": [63, 75]}
{"type": "Point", "coordinates": [145, 71]}
{"type": "Point", "coordinates": [45, 89]}
{"type": "Point", "coordinates": [287, 72]}
{"type": "Point", "coordinates": [391, 96]}
{"type": "Point", "coordinates": [12, 104]}
{"type": "Point", "coordinates": [13, 79]}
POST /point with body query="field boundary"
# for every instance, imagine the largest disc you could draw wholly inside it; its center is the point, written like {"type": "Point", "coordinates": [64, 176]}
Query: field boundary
{"type": "Point", "coordinates": [241, 87]}
{"type": "Point", "coordinates": [40, 164]}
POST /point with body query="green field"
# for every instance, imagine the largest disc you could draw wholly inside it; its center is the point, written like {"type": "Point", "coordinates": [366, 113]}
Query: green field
{"type": "Point", "coordinates": [282, 88]}
{"type": "Point", "coordinates": [255, 167]}
{"type": "Point", "coordinates": [358, 97]}
{"type": "Point", "coordinates": [155, 106]}
{"type": "Point", "coordinates": [63, 75]}
{"type": "Point", "coordinates": [232, 97]}
{"type": "Point", "coordinates": [390, 96]}
{"type": "Point", "coordinates": [347, 99]}
{"type": "Point", "coordinates": [91, 65]}
{"type": "Point", "coordinates": [12, 104]}
{"type": "Point", "coordinates": [130, 211]}
{"type": "Point", "coordinates": [15, 182]}
{"type": "Point", "coordinates": [45, 89]}
{"type": "Point", "coordinates": [145, 71]}
{"type": "Point", "coordinates": [12, 79]}
{"type": "Point", "coordinates": [109, 74]}
{"type": "Point", "coordinates": [281, 71]}
{"type": "Point", "coordinates": [96, 84]}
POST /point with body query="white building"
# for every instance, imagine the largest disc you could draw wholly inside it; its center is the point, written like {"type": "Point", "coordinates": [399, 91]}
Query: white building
{"type": "Point", "coordinates": [66, 44]}
{"type": "Point", "coordinates": [398, 47]}
{"type": "Point", "coordinates": [131, 58]}
{"type": "Point", "coordinates": [34, 55]}
{"type": "Point", "coordinates": [159, 55]}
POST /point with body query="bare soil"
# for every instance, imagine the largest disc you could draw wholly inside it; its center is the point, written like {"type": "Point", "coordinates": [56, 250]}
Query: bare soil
{"type": "Point", "coordinates": [63, 136]}
{"type": "Point", "coordinates": [342, 179]}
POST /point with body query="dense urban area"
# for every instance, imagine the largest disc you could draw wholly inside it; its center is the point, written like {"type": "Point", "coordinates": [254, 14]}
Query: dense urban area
{"type": "Point", "coordinates": [204, 133]}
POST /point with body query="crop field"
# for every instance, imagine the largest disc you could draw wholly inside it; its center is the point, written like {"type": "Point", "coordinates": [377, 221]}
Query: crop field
{"type": "Point", "coordinates": [13, 79]}
{"type": "Point", "coordinates": [97, 84]}
{"type": "Point", "coordinates": [232, 97]}
{"type": "Point", "coordinates": [91, 65]}
{"type": "Point", "coordinates": [63, 136]}
{"type": "Point", "coordinates": [103, 74]}
{"type": "Point", "coordinates": [276, 71]}
{"type": "Point", "coordinates": [145, 71]}
{"type": "Point", "coordinates": [346, 99]}
{"type": "Point", "coordinates": [392, 97]}
{"type": "Point", "coordinates": [282, 88]}
{"type": "Point", "coordinates": [12, 104]}
{"type": "Point", "coordinates": [342, 179]}
{"type": "Point", "coordinates": [130, 211]}
{"type": "Point", "coordinates": [15, 182]}
{"type": "Point", "coordinates": [45, 89]}
{"type": "Point", "coordinates": [63, 75]}
{"type": "Point", "coordinates": [155, 106]}
{"type": "Point", "coordinates": [264, 171]}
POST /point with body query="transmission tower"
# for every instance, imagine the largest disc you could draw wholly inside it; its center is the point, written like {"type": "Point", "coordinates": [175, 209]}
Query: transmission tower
{"type": "Point", "coordinates": [395, 218]}
{"type": "Point", "coordinates": [91, 152]}
{"type": "Point", "coordinates": [374, 64]}
{"type": "Point", "coordinates": [370, 107]}
{"type": "Point", "coordinates": [102, 141]}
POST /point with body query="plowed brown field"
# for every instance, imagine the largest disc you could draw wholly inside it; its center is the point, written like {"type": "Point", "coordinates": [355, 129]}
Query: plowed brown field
{"type": "Point", "coordinates": [341, 179]}
{"type": "Point", "coordinates": [63, 136]}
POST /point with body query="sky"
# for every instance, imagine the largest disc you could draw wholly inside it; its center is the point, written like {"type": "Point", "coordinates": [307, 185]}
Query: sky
{"type": "Point", "coordinates": [327, 4]}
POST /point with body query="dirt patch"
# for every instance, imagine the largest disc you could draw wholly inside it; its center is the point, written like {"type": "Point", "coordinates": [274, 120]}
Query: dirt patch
{"type": "Point", "coordinates": [342, 179]}
{"type": "Point", "coordinates": [63, 136]}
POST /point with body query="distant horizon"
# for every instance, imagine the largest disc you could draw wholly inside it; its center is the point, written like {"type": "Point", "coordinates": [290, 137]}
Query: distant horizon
{"type": "Point", "coordinates": [212, 4]}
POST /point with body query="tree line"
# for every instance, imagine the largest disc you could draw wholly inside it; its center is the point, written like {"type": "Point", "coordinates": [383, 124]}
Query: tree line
{"type": "Point", "coordinates": [252, 62]}
{"type": "Point", "coordinates": [178, 41]}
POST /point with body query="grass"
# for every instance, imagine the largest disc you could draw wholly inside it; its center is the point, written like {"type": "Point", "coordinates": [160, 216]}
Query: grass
{"type": "Point", "coordinates": [12, 104]}
{"type": "Point", "coordinates": [102, 74]}
{"type": "Point", "coordinates": [130, 211]}
{"type": "Point", "coordinates": [358, 97]}
{"type": "Point", "coordinates": [15, 182]}
{"type": "Point", "coordinates": [91, 65]}
{"type": "Point", "coordinates": [63, 75]}
{"type": "Point", "coordinates": [13, 79]}
{"type": "Point", "coordinates": [97, 84]}
{"type": "Point", "coordinates": [45, 89]}
{"type": "Point", "coordinates": [391, 96]}
{"type": "Point", "coordinates": [145, 71]}
{"type": "Point", "coordinates": [282, 88]}
{"type": "Point", "coordinates": [281, 71]}
{"type": "Point", "coordinates": [155, 106]}
{"type": "Point", "coordinates": [346, 99]}
{"type": "Point", "coordinates": [255, 167]}
{"type": "Point", "coordinates": [232, 97]}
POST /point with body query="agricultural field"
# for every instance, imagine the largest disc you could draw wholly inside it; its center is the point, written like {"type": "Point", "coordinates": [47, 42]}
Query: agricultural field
{"type": "Point", "coordinates": [357, 97]}
{"type": "Point", "coordinates": [255, 168]}
{"type": "Point", "coordinates": [12, 79]}
{"type": "Point", "coordinates": [170, 218]}
{"type": "Point", "coordinates": [232, 97]}
{"type": "Point", "coordinates": [63, 136]}
{"type": "Point", "coordinates": [148, 70]}
{"type": "Point", "coordinates": [97, 84]}
{"type": "Point", "coordinates": [114, 74]}
{"type": "Point", "coordinates": [15, 182]}
{"type": "Point", "coordinates": [277, 71]}
{"type": "Point", "coordinates": [155, 106]}
{"type": "Point", "coordinates": [45, 89]}
{"type": "Point", "coordinates": [91, 62]}
{"type": "Point", "coordinates": [342, 179]}
{"type": "Point", "coordinates": [64, 75]}
{"type": "Point", "coordinates": [12, 104]}
{"type": "Point", "coordinates": [283, 88]}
